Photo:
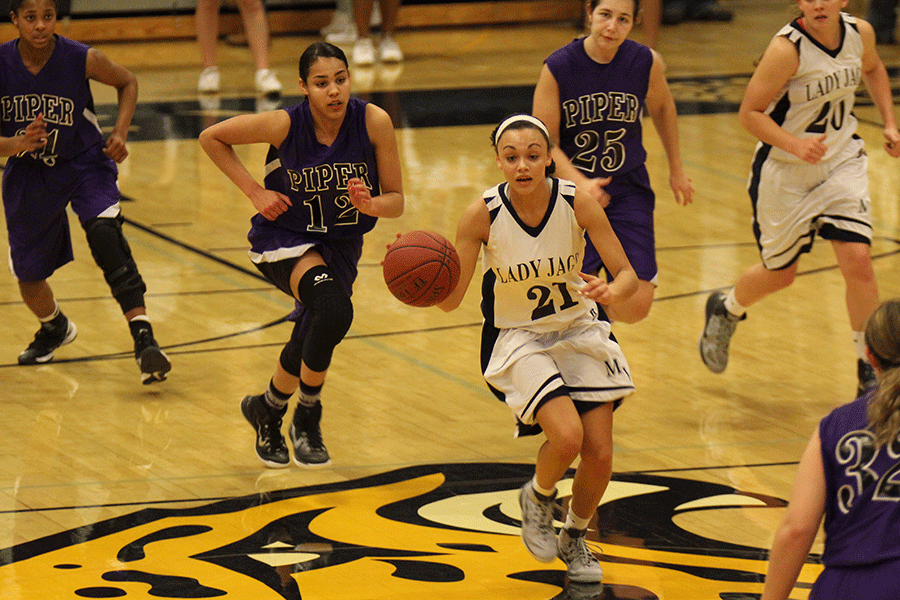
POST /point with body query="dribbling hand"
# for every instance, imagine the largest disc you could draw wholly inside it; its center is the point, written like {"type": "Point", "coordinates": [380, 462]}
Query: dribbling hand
{"type": "Point", "coordinates": [388, 246]}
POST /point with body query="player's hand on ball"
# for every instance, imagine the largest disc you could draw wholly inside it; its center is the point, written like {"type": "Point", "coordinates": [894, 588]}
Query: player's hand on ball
{"type": "Point", "coordinates": [388, 246]}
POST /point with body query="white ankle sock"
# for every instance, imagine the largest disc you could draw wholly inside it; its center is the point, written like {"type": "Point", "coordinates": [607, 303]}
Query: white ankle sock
{"type": "Point", "coordinates": [540, 490]}
{"type": "Point", "coordinates": [732, 305]}
{"type": "Point", "coordinates": [53, 315]}
{"type": "Point", "coordinates": [573, 521]}
{"type": "Point", "coordinates": [859, 342]}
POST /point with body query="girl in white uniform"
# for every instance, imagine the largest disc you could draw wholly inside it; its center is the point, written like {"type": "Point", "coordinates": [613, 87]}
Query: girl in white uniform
{"type": "Point", "coordinates": [547, 350]}
{"type": "Point", "coordinates": [809, 170]}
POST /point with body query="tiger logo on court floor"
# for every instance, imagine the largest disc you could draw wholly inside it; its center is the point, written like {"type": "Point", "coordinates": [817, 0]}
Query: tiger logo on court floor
{"type": "Point", "coordinates": [435, 531]}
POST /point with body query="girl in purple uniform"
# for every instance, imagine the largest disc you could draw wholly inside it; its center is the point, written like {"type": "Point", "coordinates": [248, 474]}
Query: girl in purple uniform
{"type": "Point", "coordinates": [57, 157]}
{"type": "Point", "coordinates": [849, 475]}
{"type": "Point", "coordinates": [333, 169]}
{"type": "Point", "coordinates": [591, 94]}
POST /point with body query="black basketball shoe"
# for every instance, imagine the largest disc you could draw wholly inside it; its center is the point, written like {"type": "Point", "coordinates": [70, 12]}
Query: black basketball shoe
{"type": "Point", "coordinates": [306, 437]}
{"type": "Point", "coordinates": [153, 362]}
{"type": "Point", "coordinates": [49, 337]}
{"type": "Point", "coordinates": [270, 446]}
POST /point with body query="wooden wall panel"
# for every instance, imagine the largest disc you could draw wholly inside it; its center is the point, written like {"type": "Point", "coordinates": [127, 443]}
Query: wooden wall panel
{"type": "Point", "coordinates": [303, 20]}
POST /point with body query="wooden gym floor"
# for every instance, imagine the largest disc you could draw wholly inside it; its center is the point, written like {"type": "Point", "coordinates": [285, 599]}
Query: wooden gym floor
{"type": "Point", "coordinates": [111, 489]}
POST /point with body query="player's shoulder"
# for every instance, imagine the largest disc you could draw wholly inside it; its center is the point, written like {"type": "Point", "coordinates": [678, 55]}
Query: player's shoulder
{"type": "Point", "coordinates": [565, 188]}
{"type": "Point", "coordinates": [849, 416]}
{"type": "Point", "coordinates": [493, 194]}
{"type": "Point", "coordinates": [569, 56]}
{"type": "Point", "coordinates": [70, 46]}
{"type": "Point", "coordinates": [373, 113]}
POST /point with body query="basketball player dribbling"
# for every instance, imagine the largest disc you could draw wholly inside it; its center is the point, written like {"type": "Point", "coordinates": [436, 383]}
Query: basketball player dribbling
{"type": "Point", "coordinates": [547, 349]}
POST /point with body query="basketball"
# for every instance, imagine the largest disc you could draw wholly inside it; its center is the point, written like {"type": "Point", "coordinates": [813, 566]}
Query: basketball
{"type": "Point", "coordinates": [421, 268]}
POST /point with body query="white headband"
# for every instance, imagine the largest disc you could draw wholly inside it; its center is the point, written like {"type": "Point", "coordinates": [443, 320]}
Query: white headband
{"type": "Point", "coordinates": [515, 119]}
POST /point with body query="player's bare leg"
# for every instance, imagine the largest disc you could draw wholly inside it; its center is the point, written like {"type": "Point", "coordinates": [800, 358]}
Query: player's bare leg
{"type": "Point", "coordinates": [855, 261]}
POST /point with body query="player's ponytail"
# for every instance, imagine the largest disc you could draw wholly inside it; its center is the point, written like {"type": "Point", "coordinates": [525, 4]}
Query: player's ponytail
{"type": "Point", "coordinates": [883, 341]}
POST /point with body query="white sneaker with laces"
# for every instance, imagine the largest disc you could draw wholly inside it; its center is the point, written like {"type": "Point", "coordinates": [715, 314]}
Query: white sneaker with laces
{"type": "Point", "coordinates": [389, 50]}
{"type": "Point", "coordinates": [581, 565]}
{"type": "Point", "coordinates": [267, 83]}
{"type": "Point", "coordinates": [209, 80]}
{"type": "Point", "coordinates": [538, 533]}
{"type": "Point", "coordinates": [363, 52]}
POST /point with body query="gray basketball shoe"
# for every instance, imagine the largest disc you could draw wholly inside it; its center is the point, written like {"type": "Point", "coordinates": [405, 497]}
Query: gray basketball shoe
{"type": "Point", "coordinates": [538, 533]}
{"type": "Point", "coordinates": [720, 326]}
{"type": "Point", "coordinates": [581, 565]}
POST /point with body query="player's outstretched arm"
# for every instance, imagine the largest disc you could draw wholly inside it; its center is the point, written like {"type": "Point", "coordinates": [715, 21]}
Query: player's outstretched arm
{"type": "Point", "coordinates": [218, 142]}
{"type": "Point", "coordinates": [661, 106]}
{"type": "Point", "coordinates": [545, 106]}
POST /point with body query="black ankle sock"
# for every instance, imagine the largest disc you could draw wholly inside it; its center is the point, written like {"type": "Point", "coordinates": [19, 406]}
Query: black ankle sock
{"type": "Point", "coordinates": [310, 390]}
{"type": "Point", "coordinates": [57, 322]}
{"type": "Point", "coordinates": [310, 394]}
{"type": "Point", "coordinates": [137, 325]}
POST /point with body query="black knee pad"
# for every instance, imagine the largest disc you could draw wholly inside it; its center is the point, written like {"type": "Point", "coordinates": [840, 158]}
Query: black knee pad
{"type": "Point", "coordinates": [113, 255]}
{"type": "Point", "coordinates": [292, 353]}
{"type": "Point", "coordinates": [331, 315]}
